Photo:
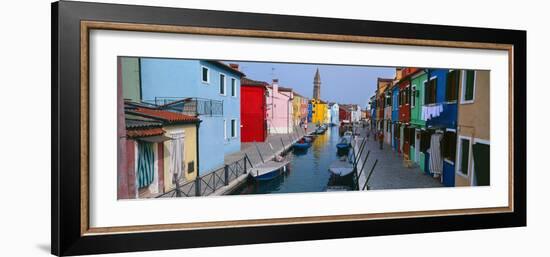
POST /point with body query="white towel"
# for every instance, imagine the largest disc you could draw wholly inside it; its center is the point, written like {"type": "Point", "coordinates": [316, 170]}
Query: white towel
{"type": "Point", "coordinates": [436, 162]}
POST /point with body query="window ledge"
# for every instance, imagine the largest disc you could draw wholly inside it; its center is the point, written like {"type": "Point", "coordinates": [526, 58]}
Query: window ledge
{"type": "Point", "coordinates": [449, 161]}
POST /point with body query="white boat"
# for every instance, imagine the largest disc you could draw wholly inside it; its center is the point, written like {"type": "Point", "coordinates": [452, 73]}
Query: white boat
{"type": "Point", "coordinates": [269, 170]}
{"type": "Point", "coordinates": [341, 167]}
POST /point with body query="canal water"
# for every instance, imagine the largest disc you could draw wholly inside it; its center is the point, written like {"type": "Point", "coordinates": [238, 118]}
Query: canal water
{"type": "Point", "coordinates": [307, 172]}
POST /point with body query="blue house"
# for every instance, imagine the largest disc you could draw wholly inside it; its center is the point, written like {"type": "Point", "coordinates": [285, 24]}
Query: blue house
{"type": "Point", "coordinates": [440, 111]}
{"type": "Point", "coordinates": [395, 117]}
{"type": "Point", "coordinates": [309, 111]}
{"type": "Point", "coordinates": [206, 89]}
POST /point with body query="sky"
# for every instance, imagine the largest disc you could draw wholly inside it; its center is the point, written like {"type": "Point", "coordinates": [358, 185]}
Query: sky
{"type": "Point", "coordinates": [339, 83]}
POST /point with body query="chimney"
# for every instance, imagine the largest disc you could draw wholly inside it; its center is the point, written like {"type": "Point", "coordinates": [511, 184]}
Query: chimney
{"type": "Point", "coordinates": [234, 66]}
{"type": "Point", "coordinates": [275, 86]}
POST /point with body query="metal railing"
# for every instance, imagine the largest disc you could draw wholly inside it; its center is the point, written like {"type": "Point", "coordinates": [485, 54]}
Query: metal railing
{"type": "Point", "coordinates": [211, 182]}
{"type": "Point", "coordinates": [191, 106]}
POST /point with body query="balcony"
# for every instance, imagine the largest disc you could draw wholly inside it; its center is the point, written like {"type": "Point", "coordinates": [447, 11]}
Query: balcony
{"type": "Point", "coordinates": [191, 105]}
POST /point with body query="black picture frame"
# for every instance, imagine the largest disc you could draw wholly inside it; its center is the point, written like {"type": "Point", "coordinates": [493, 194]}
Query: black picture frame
{"type": "Point", "coordinates": [66, 209]}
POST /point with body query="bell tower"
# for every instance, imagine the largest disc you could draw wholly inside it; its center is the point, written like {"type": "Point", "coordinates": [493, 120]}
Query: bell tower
{"type": "Point", "coordinates": [317, 85]}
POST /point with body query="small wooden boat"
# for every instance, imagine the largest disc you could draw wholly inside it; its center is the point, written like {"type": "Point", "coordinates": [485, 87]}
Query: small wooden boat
{"type": "Point", "coordinates": [309, 139]}
{"type": "Point", "coordinates": [341, 167]}
{"type": "Point", "coordinates": [344, 144]}
{"type": "Point", "coordinates": [321, 130]}
{"type": "Point", "coordinates": [269, 170]}
{"type": "Point", "coordinates": [301, 145]}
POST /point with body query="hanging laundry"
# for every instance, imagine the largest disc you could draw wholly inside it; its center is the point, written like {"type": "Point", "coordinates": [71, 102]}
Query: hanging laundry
{"type": "Point", "coordinates": [436, 162]}
{"type": "Point", "coordinates": [431, 111]}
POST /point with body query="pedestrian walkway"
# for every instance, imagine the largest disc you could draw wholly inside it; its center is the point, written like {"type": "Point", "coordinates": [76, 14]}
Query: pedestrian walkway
{"type": "Point", "coordinates": [390, 171]}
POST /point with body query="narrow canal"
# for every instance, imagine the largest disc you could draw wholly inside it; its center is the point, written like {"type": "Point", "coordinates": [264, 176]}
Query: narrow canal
{"type": "Point", "coordinates": [307, 172]}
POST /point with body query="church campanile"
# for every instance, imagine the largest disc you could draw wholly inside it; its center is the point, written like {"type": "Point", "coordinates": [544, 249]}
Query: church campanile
{"type": "Point", "coordinates": [317, 85]}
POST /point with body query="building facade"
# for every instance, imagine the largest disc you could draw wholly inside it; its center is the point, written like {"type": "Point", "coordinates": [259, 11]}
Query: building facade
{"type": "Point", "coordinates": [440, 112]}
{"type": "Point", "coordinates": [161, 150]}
{"type": "Point", "coordinates": [418, 81]}
{"type": "Point", "coordinates": [473, 140]}
{"type": "Point", "coordinates": [334, 114]}
{"type": "Point", "coordinates": [253, 110]}
{"type": "Point", "coordinates": [279, 109]}
{"type": "Point", "coordinates": [209, 90]}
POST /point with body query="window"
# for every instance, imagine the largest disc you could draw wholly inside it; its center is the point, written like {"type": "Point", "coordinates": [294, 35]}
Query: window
{"type": "Point", "coordinates": [233, 128]}
{"type": "Point", "coordinates": [191, 167]}
{"type": "Point", "coordinates": [224, 129]}
{"type": "Point", "coordinates": [481, 152]}
{"type": "Point", "coordinates": [468, 85]}
{"type": "Point", "coordinates": [451, 88]}
{"type": "Point", "coordinates": [449, 145]}
{"type": "Point", "coordinates": [146, 164]}
{"type": "Point", "coordinates": [413, 96]}
{"type": "Point", "coordinates": [464, 156]}
{"type": "Point", "coordinates": [205, 75]}
{"type": "Point", "coordinates": [233, 87]}
{"type": "Point", "coordinates": [430, 89]}
{"type": "Point", "coordinates": [222, 84]}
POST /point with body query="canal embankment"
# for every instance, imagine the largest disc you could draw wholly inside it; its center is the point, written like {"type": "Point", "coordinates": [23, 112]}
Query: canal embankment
{"type": "Point", "coordinates": [259, 152]}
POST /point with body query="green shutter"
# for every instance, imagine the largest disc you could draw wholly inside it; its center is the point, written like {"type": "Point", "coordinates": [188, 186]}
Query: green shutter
{"type": "Point", "coordinates": [146, 164]}
{"type": "Point", "coordinates": [482, 163]}
{"type": "Point", "coordinates": [469, 92]}
{"type": "Point", "coordinates": [465, 155]}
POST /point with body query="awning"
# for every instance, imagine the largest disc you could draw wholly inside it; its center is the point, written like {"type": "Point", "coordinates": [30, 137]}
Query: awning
{"type": "Point", "coordinates": [154, 139]}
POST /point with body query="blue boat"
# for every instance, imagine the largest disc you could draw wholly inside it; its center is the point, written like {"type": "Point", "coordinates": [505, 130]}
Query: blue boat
{"type": "Point", "coordinates": [302, 144]}
{"type": "Point", "coordinates": [269, 170]}
{"type": "Point", "coordinates": [344, 144]}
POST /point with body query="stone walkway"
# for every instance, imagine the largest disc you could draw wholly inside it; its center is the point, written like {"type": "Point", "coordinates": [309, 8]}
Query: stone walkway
{"type": "Point", "coordinates": [390, 172]}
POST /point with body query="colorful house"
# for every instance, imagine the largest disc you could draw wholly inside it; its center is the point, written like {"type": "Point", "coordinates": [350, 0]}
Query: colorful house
{"type": "Point", "coordinates": [440, 112]}
{"type": "Point", "coordinates": [417, 122]}
{"type": "Point", "coordinates": [161, 150]}
{"type": "Point", "coordinates": [318, 111]}
{"type": "Point", "coordinates": [395, 130]}
{"type": "Point", "coordinates": [355, 113]}
{"type": "Point", "coordinates": [344, 113]}
{"type": "Point", "coordinates": [473, 140]}
{"type": "Point", "coordinates": [209, 90]}
{"type": "Point", "coordinates": [279, 109]}
{"type": "Point", "coordinates": [253, 110]}
{"type": "Point", "coordinates": [328, 114]}
{"type": "Point", "coordinates": [384, 107]}
{"type": "Point", "coordinates": [299, 109]}
{"type": "Point", "coordinates": [372, 104]}
{"type": "Point", "coordinates": [334, 114]}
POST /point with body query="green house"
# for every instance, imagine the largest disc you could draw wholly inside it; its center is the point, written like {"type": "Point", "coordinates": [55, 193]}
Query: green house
{"type": "Point", "coordinates": [417, 101]}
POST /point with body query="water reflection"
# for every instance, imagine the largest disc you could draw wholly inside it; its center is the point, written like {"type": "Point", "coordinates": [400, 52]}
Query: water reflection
{"type": "Point", "coordinates": [307, 172]}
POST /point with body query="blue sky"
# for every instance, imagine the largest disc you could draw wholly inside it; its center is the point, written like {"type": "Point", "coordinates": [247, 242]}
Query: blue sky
{"type": "Point", "coordinates": [339, 83]}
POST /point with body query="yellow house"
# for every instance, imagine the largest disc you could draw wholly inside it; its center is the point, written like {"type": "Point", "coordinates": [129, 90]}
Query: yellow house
{"type": "Point", "coordinates": [319, 111]}
{"type": "Point", "coordinates": [176, 152]}
{"type": "Point", "coordinates": [186, 136]}
{"type": "Point", "coordinates": [297, 109]}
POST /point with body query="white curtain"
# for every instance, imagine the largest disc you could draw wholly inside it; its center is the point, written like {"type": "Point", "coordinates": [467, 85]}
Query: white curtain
{"type": "Point", "coordinates": [436, 162]}
{"type": "Point", "coordinates": [177, 165]}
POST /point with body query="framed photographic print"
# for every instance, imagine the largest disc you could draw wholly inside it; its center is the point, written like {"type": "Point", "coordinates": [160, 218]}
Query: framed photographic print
{"type": "Point", "coordinates": [177, 128]}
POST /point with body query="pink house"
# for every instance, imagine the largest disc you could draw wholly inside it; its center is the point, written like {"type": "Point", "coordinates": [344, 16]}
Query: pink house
{"type": "Point", "coordinates": [279, 108]}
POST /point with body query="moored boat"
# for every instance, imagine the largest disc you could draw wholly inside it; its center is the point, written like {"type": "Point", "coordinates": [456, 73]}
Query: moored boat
{"type": "Point", "coordinates": [269, 170]}
{"type": "Point", "coordinates": [341, 167]}
{"type": "Point", "coordinates": [301, 145]}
